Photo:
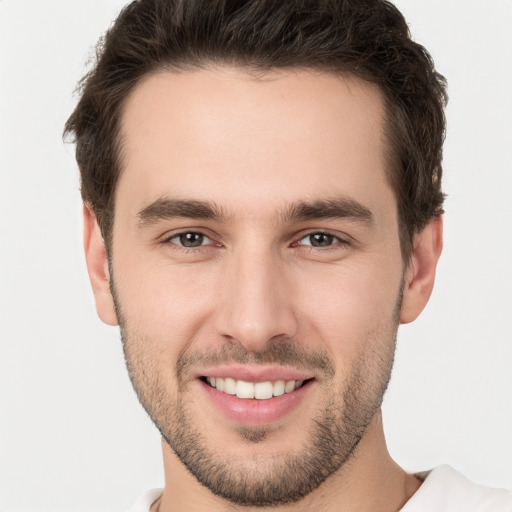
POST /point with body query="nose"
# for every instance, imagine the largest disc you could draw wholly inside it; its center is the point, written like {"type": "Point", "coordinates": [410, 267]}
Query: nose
{"type": "Point", "coordinates": [255, 304]}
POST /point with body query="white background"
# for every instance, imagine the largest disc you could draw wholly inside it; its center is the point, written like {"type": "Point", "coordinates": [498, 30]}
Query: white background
{"type": "Point", "coordinates": [72, 435]}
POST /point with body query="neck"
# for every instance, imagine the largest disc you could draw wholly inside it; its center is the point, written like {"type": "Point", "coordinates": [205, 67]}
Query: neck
{"type": "Point", "coordinates": [369, 481]}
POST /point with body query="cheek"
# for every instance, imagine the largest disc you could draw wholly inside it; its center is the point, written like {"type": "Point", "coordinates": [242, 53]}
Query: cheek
{"type": "Point", "coordinates": [163, 303]}
{"type": "Point", "coordinates": [348, 308]}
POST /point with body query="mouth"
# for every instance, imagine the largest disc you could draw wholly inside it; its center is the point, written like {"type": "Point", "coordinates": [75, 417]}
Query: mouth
{"type": "Point", "coordinates": [256, 396]}
{"type": "Point", "coordinates": [254, 390]}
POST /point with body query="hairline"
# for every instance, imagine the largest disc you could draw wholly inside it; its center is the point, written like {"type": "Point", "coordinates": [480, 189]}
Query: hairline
{"type": "Point", "coordinates": [258, 72]}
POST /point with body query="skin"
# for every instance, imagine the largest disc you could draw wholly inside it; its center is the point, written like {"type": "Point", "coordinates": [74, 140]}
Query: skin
{"type": "Point", "coordinates": [253, 147]}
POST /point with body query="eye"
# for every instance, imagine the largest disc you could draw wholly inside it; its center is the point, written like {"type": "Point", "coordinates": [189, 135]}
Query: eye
{"type": "Point", "coordinates": [190, 239]}
{"type": "Point", "coordinates": [320, 240]}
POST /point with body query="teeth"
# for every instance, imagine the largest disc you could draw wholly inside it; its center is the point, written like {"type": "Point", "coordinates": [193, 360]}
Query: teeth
{"type": "Point", "coordinates": [230, 386]}
{"type": "Point", "coordinates": [244, 389]}
{"type": "Point", "coordinates": [263, 390]}
{"type": "Point", "coordinates": [288, 387]}
{"type": "Point", "coordinates": [258, 390]}
{"type": "Point", "coordinates": [219, 384]}
{"type": "Point", "coordinates": [279, 388]}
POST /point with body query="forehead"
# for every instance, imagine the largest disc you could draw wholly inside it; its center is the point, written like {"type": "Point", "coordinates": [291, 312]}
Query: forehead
{"type": "Point", "coordinates": [228, 136]}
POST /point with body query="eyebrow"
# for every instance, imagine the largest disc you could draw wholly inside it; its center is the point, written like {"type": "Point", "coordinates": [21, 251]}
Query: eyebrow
{"type": "Point", "coordinates": [166, 208]}
{"type": "Point", "coordinates": [331, 208]}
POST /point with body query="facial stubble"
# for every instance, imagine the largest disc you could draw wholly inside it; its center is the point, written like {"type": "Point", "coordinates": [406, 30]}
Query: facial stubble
{"type": "Point", "coordinates": [332, 437]}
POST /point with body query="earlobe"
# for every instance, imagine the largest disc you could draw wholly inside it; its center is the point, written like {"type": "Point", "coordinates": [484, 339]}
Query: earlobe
{"type": "Point", "coordinates": [97, 266]}
{"type": "Point", "coordinates": [420, 274]}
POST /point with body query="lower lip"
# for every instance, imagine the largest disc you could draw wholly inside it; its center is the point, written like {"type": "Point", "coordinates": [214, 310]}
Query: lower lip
{"type": "Point", "coordinates": [253, 412]}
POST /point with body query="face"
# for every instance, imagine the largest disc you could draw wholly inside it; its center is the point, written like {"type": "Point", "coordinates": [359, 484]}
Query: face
{"type": "Point", "coordinates": [257, 272]}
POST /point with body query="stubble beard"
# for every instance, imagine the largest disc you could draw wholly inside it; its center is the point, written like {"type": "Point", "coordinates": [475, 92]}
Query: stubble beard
{"type": "Point", "coordinates": [333, 435]}
{"type": "Point", "coordinates": [332, 438]}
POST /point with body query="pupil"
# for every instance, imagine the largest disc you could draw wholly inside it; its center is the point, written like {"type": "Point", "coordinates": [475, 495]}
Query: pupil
{"type": "Point", "coordinates": [191, 239]}
{"type": "Point", "coordinates": [321, 240]}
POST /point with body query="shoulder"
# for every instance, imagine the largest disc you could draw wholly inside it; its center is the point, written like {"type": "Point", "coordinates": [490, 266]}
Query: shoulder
{"type": "Point", "coordinates": [143, 504]}
{"type": "Point", "coordinates": [446, 490]}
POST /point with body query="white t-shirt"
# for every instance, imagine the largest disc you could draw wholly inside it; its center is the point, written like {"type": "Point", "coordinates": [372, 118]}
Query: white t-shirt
{"type": "Point", "coordinates": [144, 503]}
{"type": "Point", "coordinates": [444, 490]}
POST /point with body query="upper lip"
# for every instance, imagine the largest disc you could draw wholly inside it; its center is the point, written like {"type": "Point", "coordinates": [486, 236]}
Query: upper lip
{"type": "Point", "coordinates": [256, 373]}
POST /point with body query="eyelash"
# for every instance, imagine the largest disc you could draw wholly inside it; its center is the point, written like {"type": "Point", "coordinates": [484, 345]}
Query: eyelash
{"type": "Point", "coordinates": [338, 242]}
{"type": "Point", "coordinates": [168, 240]}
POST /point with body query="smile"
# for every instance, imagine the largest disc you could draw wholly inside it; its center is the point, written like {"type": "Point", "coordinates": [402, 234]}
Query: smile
{"type": "Point", "coordinates": [253, 390]}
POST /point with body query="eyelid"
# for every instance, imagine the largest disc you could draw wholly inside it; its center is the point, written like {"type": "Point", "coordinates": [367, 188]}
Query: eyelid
{"type": "Point", "coordinates": [341, 238]}
{"type": "Point", "coordinates": [165, 239]}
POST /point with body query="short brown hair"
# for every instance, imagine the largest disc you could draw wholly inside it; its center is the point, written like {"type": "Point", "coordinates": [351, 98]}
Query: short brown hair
{"type": "Point", "coordinates": [366, 38]}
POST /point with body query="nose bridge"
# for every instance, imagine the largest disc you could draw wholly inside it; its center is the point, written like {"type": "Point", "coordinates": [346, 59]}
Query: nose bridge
{"type": "Point", "coordinates": [256, 306]}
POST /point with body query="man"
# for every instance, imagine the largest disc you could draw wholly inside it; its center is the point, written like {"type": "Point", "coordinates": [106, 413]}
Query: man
{"type": "Point", "coordinates": [262, 190]}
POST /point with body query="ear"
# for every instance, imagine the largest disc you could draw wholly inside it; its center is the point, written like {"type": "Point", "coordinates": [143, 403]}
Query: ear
{"type": "Point", "coordinates": [421, 272]}
{"type": "Point", "coordinates": [97, 266]}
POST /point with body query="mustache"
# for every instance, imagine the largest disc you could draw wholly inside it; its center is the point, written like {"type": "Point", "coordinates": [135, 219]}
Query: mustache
{"type": "Point", "coordinates": [276, 352]}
